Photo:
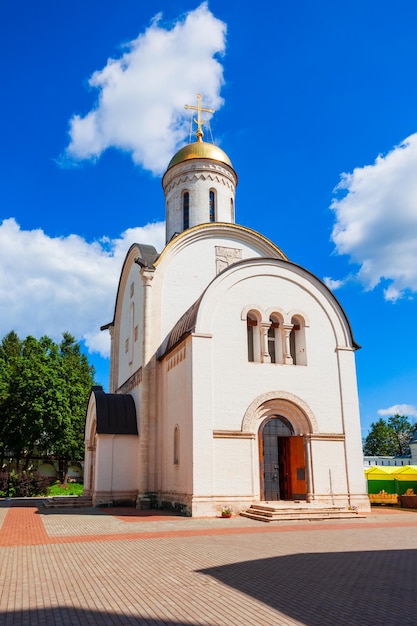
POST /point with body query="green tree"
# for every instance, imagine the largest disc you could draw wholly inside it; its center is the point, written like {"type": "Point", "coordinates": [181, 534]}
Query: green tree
{"type": "Point", "coordinates": [77, 378]}
{"type": "Point", "coordinates": [9, 353]}
{"type": "Point", "coordinates": [403, 432]}
{"type": "Point", "coordinates": [44, 391]}
{"type": "Point", "coordinates": [389, 438]}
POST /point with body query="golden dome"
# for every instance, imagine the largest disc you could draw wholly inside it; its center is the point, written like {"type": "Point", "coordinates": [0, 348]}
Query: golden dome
{"type": "Point", "coordinates": [200, 150]}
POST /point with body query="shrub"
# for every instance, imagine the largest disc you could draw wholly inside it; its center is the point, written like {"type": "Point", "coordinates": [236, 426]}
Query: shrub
{"type": "Point", "coordinates": [23, 484]}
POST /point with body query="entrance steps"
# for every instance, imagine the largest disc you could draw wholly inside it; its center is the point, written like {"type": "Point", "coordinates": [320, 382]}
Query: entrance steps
{"type": "Point", "coordinates": [295, 511]}
{"type": "Point", "coordinates": [68, 502]}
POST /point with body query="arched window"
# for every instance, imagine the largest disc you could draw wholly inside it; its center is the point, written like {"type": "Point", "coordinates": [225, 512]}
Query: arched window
{"type": "Point", "coordinates": [176, 445]}
{"type": "Point", "coordinates": [297, 341]}
{"type": "Point", "coordinates": [254, 348]}
{"type": "Point", "coordinates": [275, 340]}
{"type": "Point", "coordinates": [131, 331]}
{"type": "Point", "coordinates": [186, 209]}
{"type": "Point", "coordinates": [212, 206]}
{"type": "Point", "coordinates": [232, 211]}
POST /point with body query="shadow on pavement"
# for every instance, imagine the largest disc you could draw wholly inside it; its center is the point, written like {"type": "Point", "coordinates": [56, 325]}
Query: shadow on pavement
{"type": "Point", "coordinates": [68, 616]}
{"type": "Point", "coordinates": [117, 511]}
{"type": "Point", "coordinates": [317, 589]}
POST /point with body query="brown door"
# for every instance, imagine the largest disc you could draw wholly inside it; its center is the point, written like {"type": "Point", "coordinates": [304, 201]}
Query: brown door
{"type": "Point", "coordinates": [297, 468]}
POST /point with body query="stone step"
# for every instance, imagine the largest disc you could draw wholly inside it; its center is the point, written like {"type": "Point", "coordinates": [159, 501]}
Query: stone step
{"type": "Point", "coordinates": [269, 513]}
{"type": "Point", "coordinates": [68, 502]}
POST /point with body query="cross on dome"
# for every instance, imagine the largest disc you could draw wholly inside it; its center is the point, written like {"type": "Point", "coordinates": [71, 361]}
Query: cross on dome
{"type": "Point", "coordinates": [199, 121]}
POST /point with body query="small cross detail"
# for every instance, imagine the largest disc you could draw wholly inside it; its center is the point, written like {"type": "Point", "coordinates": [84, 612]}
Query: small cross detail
{"type": "Point", "coordinates": [199, 121]}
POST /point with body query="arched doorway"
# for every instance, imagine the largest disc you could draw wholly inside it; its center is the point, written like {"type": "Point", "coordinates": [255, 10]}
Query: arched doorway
{"type": "Point", "coordinates": [282, 461]}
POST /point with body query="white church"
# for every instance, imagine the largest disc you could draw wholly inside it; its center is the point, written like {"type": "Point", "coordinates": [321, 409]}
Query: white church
{"type": "Point", "coordinates": [233, 377]}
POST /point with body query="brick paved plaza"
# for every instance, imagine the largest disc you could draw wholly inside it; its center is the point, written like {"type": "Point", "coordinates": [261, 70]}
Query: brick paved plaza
{"type": "Point", "coordinates": [116, 566]}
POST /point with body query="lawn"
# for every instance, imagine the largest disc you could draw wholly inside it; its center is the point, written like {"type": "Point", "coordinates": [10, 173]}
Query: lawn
{"type": "Point", "coordinates": [71, 489]}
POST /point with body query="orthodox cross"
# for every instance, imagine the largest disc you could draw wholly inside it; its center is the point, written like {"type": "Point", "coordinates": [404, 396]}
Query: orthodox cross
{"type": "Point", "coordinates": [199, 132]}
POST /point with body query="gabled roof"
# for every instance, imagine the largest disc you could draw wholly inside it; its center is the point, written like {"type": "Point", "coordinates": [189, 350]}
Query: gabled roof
{"type": "Point", "coordinates": [142, 254]}
{"type": "Point", "coordinates": [184, 326]}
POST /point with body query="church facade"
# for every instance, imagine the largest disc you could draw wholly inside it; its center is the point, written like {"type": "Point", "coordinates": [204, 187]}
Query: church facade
{"type": "Point", "coordinates": [233, 375]}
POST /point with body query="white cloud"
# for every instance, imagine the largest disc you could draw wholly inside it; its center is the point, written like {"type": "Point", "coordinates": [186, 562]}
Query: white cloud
{"type": "Point", "coordinates": [376, 220]}
{"type": "Point", "coordinates": [53, 284]}
{"type": "Point", "coordinates": [400, 409]}
{"type": "Point", "coordinates": [140, 106]}
{"type": "Point", "coordinates": [333, 284]}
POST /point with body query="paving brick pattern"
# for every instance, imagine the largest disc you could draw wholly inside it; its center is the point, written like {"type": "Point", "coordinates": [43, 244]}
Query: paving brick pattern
{"type": "Point", "coordinates": [111, 567]}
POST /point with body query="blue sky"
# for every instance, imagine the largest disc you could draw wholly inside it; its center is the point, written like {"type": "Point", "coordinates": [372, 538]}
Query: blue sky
{"type": "Point", "coordinates": [316, 107]}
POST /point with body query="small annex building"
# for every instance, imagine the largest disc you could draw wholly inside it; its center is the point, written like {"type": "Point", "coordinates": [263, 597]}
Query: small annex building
{"type": "Point", "coordinates": [233, 376]}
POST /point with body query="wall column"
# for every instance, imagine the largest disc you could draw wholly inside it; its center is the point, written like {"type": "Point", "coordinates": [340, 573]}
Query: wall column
{"type": "Point", "coordinates": [265, 356]}
{"type": "Point", "coordinates": [309, 468]}
{"type": "Point", "coordinates": [146, 410]}
{"type": "Point", "coordinates": [287, 348]}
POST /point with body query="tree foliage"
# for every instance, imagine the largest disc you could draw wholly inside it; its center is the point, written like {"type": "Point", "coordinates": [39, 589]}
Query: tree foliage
{"type": "Point", "coordinates": [44, 390]}
{"type": "Point", "coordinates": [389, 438]}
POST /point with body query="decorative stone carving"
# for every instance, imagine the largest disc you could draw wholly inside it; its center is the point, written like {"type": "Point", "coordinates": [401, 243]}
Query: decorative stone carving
{"type": "Point", "coordinates": [226, 257]}
{"type": "Point", "coordinates": [280, 403]}
{"type": "Point", "coordinates": [189, 171]}
{"type": "Point", "coordinates": [177, 357]}
{"type": "Point", "coordinates": [131, 382]}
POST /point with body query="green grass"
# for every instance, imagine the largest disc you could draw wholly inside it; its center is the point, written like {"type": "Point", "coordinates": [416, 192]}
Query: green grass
{"type": "Point", "coordinates": [71, 489]}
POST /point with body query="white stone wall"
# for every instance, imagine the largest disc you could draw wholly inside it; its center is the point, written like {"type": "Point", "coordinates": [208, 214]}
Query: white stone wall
{"type": "Point", "coordinates": [188, 267]}
{"type": "Point", "coordinates": [116, 469]}
{"type": "Point", "coordinates": [351, 426]}
{"type": "Point", "coordinates": [175, 410]}
{"type": "Point", "coordinates": [233, 468]}
{"type": "Point", "coordinates": [329, 470]}
{"type": "Point", "coordinates": [203, 443]}
{"type": "Point", "coordinates": [130, 324]}
{"type": "Point", "coordinates": [382, 461]}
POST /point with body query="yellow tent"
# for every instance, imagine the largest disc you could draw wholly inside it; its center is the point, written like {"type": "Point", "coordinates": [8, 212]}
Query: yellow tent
{"type": "Point", "coordinates": [381, 478]}
{"type": "Point", "coordinates": [391, 479]}
{"type": "Point", "coordinates": [379, 472]}
{"type": "Point", "coordinates": [406, 472]}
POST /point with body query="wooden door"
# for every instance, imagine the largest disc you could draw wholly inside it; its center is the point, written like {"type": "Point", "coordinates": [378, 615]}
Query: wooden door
{"type": "Point", "coordinates": [297, 469]}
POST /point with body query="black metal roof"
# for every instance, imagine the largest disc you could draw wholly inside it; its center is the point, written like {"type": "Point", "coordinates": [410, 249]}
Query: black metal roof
{"type": "Point", "coordinates": [116, 413]}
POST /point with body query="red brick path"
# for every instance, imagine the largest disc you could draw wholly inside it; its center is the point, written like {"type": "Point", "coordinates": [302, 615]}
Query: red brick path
{"type": "Point", "coordinates": [23, 526]}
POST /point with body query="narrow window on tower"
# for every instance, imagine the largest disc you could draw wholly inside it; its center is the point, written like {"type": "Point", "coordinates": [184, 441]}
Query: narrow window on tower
{"type": "Point", "coordinates": [186, 210]}
{"type": "Point", "coordinates": [131, 331]}
{"type": "Point", "coordinates": [176, 445]}
{"type": "Point", "coordinates": [212, 205]}
{"type": "Point", "coordinates": [232, 211]}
